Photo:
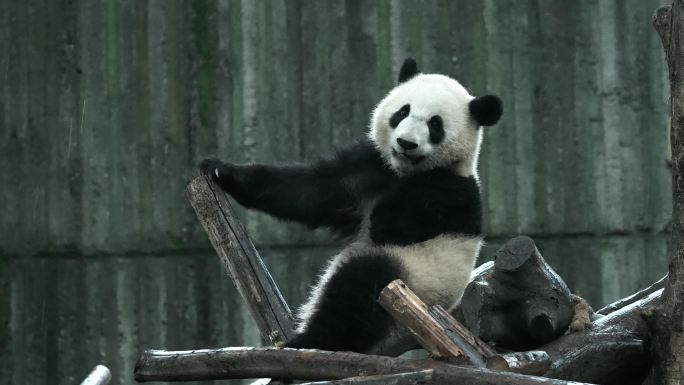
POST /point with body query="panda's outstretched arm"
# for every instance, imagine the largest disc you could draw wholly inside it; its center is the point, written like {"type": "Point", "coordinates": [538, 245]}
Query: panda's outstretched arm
{"type": "Point", "coordinates": [324, 194]}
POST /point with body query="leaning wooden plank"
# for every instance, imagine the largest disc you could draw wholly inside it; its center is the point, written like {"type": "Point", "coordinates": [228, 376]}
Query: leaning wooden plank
{"type": "Point", "coordinates": [440, 339]}
{"type": "Point", "coordinates": [294, 364]}
{"type": "Point", "coordinates": [100, 375]}
{"type": "Point", "coordinates": [241, 260]}
{"type": "Point", "coordinates": [423, 377]}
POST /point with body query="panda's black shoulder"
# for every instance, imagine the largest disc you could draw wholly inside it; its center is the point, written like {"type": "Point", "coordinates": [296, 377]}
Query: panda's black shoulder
{"type": "Point", "coordinates": [361, 168]}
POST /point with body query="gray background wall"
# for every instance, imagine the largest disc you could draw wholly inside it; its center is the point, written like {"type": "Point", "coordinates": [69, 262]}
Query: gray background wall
{"type": "Point", "coordinates": [108, 105]}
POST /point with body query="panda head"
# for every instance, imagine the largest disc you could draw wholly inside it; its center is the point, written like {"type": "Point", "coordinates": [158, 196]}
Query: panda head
{"type": "Point", "coordinates": [429, 121]}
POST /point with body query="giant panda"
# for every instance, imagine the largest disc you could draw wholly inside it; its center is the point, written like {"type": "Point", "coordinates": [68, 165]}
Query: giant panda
{"type": "Point", "coordinates": [407, 198]}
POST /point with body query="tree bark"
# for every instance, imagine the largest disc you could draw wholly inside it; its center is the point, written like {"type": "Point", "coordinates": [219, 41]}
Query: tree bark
{"type": "Point", "coordinates": [667, 321]}
{"type": "Point", "coordinates": [241, 260]}
{"type": "Point", "coordinates": [236, 363]}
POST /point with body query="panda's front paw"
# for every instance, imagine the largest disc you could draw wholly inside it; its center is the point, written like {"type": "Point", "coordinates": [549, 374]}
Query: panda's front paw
{"type": "Point", "coordinates": [212, 167]}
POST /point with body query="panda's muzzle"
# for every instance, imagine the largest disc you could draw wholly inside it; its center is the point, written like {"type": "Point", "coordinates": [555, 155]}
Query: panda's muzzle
{"type": "Point", "coordinates": [414, 159]}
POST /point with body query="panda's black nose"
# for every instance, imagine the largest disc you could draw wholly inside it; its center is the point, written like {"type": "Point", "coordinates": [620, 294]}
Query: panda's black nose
{"type": "Point", "coordinates": [406, 145]}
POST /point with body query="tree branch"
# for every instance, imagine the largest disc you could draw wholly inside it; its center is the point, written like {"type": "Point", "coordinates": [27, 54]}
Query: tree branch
{"type": "Point", "coordinates": [619, 304]}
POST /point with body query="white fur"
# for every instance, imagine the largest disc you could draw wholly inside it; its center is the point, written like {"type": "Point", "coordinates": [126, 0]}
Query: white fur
{"type": "Point", "coordinates": [428, 95]}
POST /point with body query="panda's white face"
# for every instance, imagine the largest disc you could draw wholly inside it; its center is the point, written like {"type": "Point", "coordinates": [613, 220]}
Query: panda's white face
{"type": "Point", "coordinates": [425, 122]}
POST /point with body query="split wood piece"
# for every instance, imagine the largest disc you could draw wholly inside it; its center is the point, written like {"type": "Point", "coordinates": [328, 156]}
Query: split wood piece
{"type": "Point", "coordinates": [100, 375]}
{"type": "Point", "coordinates": [440, 334]}
{"type": "Point", "coordinates": [241, 260]}
{"type": "Point", "coordinates": [517, 301]}
{"type": "Point", "coordinates": [613, 351]}
{"type": "Point", "coordinates": [236, 363]}
{"type": "Point", "coordinates": [619, 304]}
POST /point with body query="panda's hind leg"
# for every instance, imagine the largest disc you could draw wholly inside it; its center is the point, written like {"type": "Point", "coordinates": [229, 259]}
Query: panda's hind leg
{"type": "Point", "coordinates": [347, 316]}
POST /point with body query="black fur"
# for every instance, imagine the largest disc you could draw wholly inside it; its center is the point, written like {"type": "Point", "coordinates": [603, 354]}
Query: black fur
{"type": "Point", "coordinates": [400, 115]}
{"type": "Point", "coordinates": [436, 127]}
{"type": "Point", "coordinates": [408, 70]}
{"type": "Point", "coordinates": [422, 206]}
{"type": "Point", "coordinates": [326, 194]}
{"type": "Point", "coordinates": [348, 317]}
{"type": "Point", "coordinates": [486, 110]}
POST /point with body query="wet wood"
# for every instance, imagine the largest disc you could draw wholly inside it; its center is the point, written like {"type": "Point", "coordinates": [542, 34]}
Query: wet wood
{"type": "Point", "coordinates": [532, 362]}
{"type": "Point", "coordinates": [613, 351]}
{"type": "Point", "coordinates": [236, 363]}
{"type": "Point", "coordinates": [241, 260]}
{"type": "Point", "coordinates": [440, 334]}
{"type": "Point", "coordinates": [518, 301]}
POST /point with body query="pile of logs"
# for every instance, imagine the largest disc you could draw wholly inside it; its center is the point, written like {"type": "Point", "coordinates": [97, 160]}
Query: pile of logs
{"type": "Point", "coordinates": [517, 324]}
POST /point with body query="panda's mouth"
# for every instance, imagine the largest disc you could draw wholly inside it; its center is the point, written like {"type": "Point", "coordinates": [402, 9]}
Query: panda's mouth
{"type": "Point", "coordinates": [414, 159]}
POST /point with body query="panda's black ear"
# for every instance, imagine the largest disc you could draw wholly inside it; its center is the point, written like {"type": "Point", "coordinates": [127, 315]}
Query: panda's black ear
{"type": "Point", "coordinates": [408, 70]}
{"type": "Point", "coordinates": [486, 110]}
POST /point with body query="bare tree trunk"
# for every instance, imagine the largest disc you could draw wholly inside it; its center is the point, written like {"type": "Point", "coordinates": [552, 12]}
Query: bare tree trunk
{"type": "Point", "coordinates": [666, 321]}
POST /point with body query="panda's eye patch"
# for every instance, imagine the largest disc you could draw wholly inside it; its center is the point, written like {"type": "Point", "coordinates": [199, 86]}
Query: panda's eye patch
{"type": "Point", "coordinates": [436, 127]}
{"type": "Point", "coordinates": [400, 115]}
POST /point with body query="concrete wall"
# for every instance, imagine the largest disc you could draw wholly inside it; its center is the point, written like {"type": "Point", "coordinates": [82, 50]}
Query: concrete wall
{"type": "Point", "coordinates": [108, 105]}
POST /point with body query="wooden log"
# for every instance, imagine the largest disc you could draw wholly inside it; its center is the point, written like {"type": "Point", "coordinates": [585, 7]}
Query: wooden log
{"type": "Point", "coordinates": [518, 302]}
{"type": "Point", "coordinates": [434, 328]}
{"type": "Point", "coordinates": [236, 363]}
{"type": "Point", "coordinates": [532, 362]}
{"type": "Point", "coordinates": [100, 375]}
{"type": "Point", "coordinates": [619, 304]}
{"type": "Point", "coordinates": [613, 351]}
{"type": "Point", "coordinates": [423, 377]}
{"type": "Point", "coordinates": [241, 260]}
